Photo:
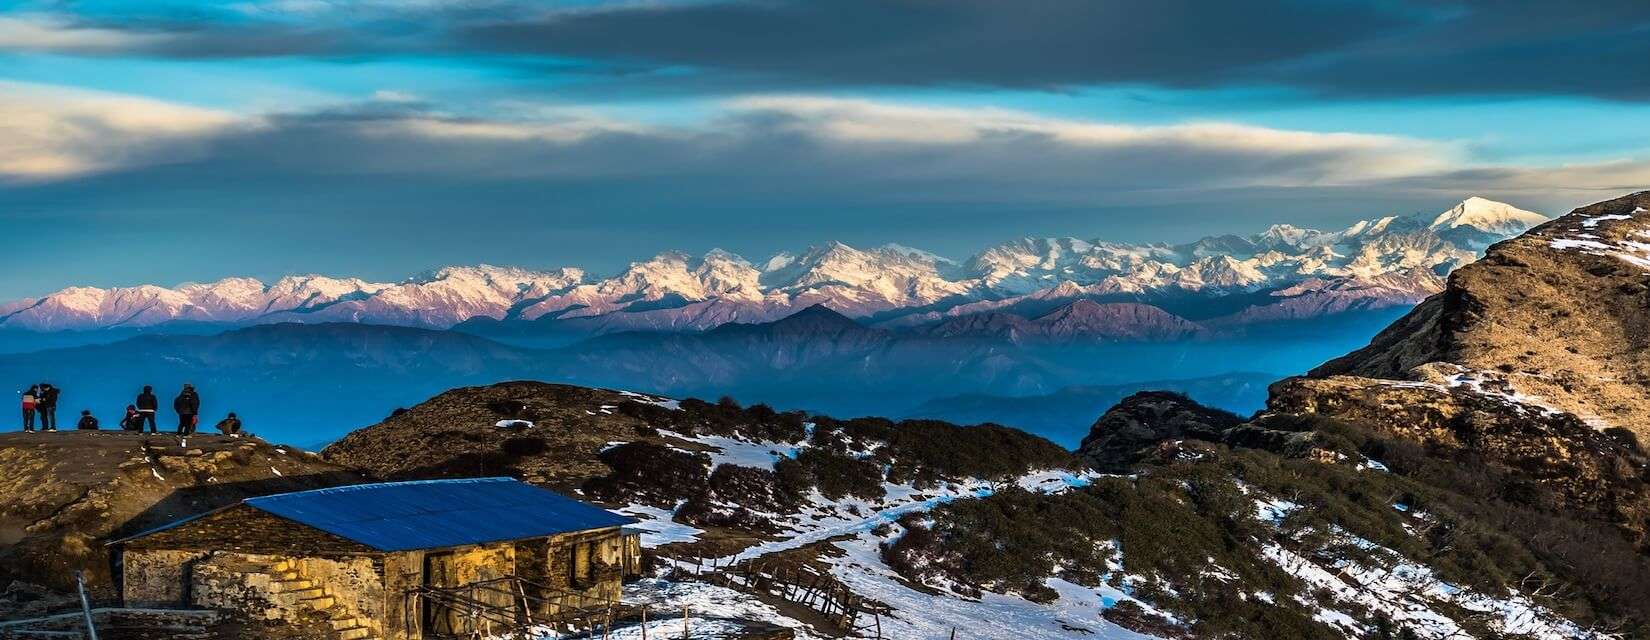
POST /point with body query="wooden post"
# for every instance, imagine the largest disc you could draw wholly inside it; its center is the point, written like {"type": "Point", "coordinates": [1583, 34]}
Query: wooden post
{"type": "Point", "coordinates": [684, 622]}
{"type": "Point", "coordinates": [644, 622]}
{"type": "Point", "coordinates": [85, 604]}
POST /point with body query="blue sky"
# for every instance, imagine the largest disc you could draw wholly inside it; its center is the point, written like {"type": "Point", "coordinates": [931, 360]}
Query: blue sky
{"type": "Point", "coordinates": [165, 141]}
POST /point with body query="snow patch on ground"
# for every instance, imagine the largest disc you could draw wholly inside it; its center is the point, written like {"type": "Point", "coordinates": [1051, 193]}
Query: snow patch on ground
{"type": "Point", "coordinates": [1412, 597]}
{"type": "Point", "coordinates": [514, 424]}
{"type": "Point", "coordinates": [1592, 222]}
{"type": "Point", "coordinates": [1408, 594]}
{"type": "Point", "coordinates": [739, 452]}
{"type": "Point", "coordinates": [1075, 614]}
{"type": "Point", "coordinates": [822, 519]}
{"type": "Point", "coordinates": [657, 401]}
{"type": "Point", "coordinates": [710, 610]}
{"type": "Point", "coordinates": [1273, 510]}
{"type": "Point", "coordinates": [658, 526]}
{"type": "Point", "coordinates": [1498, 387]}
{"type": "Point", "coordinates": [1631, 251]}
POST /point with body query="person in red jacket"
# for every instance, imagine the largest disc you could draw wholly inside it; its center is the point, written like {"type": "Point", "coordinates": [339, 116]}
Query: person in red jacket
{"type": "Point", "coordinates": [29, 399]}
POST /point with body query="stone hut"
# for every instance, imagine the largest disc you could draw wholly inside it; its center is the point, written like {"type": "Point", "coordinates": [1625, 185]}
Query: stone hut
{"type": "Point", "coordinates": [390, 561]}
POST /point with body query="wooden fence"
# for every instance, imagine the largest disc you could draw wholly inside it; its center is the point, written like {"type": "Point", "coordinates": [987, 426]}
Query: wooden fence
{"type": "Point", "coordinates": [797, 584]}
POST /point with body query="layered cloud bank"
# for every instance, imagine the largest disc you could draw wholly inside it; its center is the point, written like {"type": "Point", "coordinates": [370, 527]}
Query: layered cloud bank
{"type": "Point", "coordinates": [798, 141]}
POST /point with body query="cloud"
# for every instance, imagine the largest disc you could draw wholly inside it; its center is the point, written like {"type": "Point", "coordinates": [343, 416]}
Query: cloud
{"type": "Point", "coordinates": [53, 34]}
{"type": "Point", "coordinates": [778, 147]}
{"type": "Point", "coordinates": [50, 132]}
{"type": "Point", "coordinates": [1484, 47]}
{"type": "Point", "coordinates": [191, 35]}
{"type": "Point", "coordinates": [1047, 44]}
{"type": "Point", "coordinates": [1578, 182]}
{"type": "Point", "coordinates": [1353, 49]}
{"type": "Point", "coordinates": [1229, 153]}
{"type": "Point", "coordinates": [796, 142]}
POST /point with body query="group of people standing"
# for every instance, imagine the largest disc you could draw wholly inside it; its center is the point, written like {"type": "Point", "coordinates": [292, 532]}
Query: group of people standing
{"type": "Point", "coordinates": [40, 401]}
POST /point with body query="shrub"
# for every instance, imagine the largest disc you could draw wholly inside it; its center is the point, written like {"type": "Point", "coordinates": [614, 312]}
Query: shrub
{"type": "Point", "coordinates": [650, 473]}
{"type": "Point", "coordinates": [835, 474]}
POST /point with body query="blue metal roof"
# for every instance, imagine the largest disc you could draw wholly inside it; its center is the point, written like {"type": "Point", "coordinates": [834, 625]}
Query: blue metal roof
{"type": "Point", "coordinates": [433, 514]}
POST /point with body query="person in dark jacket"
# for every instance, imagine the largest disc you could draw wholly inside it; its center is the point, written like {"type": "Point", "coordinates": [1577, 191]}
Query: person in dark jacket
{"type": "Point", "coordinates": [132, 421]}
{"type": "Point", "coordinates": [147, 403]}
{"type": "Point", "coordinates": [188, 406]}
{"type": "Point", "coordinates": [46, 406]}
{"type": "Point", "coordinates": [87, 421]}
{"type": "Point", "coordinates": [230, 426]}
{"type": "Point", "coordinates": [30, 398]}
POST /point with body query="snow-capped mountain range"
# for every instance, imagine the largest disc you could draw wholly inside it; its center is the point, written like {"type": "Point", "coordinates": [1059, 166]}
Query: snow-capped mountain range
{"type": "Point", "coordinates": [1395, 259]}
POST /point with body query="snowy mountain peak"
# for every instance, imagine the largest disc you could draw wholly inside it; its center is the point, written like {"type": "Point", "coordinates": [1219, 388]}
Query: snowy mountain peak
{"type": "Point", "coordinates": [675, 290]}
{"type": "Point", "coordinates": [723, 256]}
{"type": "Point", "coordinates": [1287, 235]}
{"type": "Point", "coordinates": [918, 254]}
{"type": "Point", "coordinates": [507, 278]}
{"type": "Point", "coordinates": [778, 261]}
{"type": "Point", "coordinates": [1489, 216]}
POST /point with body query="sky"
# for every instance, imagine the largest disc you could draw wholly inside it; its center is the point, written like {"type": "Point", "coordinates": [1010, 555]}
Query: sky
{"type": "Point", "coordinates": [164, 141]}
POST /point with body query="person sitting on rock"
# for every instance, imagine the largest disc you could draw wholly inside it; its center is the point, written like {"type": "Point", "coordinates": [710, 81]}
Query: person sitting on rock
{"type": "Point", "coordinates": [88, 422]}
{"type": "Point", "coordinates": [133, 420]}
{"type": "Point", "coordinates": [230, 426]}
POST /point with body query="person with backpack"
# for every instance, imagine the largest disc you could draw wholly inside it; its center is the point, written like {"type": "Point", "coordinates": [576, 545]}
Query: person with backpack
{"type": "Point", "coordinates": [188, 406]}
{"type": "Point", "coordinates": [87, 421]}
{"type": "Point", "coordinates": [230, 426]}
{"type": "Point", "coordinates": [29, 398]}
{"type": "Point", "coordinates": [46, 406]}
{"type": "Point", "coordinates": [133, 421]}
{"type": "Point", "coordinates": [147, 403]}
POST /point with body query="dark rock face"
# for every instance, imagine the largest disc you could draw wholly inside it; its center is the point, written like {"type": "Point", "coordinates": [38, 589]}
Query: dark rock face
{"type": "Point", "coordinates": [1127, 432]}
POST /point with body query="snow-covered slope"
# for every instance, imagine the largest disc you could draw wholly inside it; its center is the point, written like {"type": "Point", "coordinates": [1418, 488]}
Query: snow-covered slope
{"type": "Point", "coordinates": [676, 291]}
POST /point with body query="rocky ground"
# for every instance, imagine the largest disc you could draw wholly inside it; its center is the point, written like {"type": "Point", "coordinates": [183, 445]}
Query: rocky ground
{"type": "Point", "coordinates": [1558, 313]}
{"type": "Point", "coordinates": [549, 434]}
{"type": "Point", "coordinates": [67, 493]}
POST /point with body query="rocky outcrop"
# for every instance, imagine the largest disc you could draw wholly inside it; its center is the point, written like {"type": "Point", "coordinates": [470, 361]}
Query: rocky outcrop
{"type": "Point", "coordinates": [548, 434]}
{"type": "Point", "coordinates": [1129, 431]}
{"type": "Point", "coordinates": [1601, 473]}
{"type": "Point", "coordinates": [1559, 313]}
{"type": "Point", "coordinates": [63, 495]}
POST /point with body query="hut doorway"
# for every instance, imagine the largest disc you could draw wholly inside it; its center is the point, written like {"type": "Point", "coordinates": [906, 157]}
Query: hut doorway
{"type": "Point", "coordinates": [440, 572]}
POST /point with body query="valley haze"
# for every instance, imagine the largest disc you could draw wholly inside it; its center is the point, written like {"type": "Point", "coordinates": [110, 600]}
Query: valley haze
{"type": "Point", "coordinates": [998, 337]}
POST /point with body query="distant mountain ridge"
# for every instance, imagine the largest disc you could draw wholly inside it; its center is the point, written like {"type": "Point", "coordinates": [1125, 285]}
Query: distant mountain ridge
{"type": "Point", "coordinates": [1386, 261]}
